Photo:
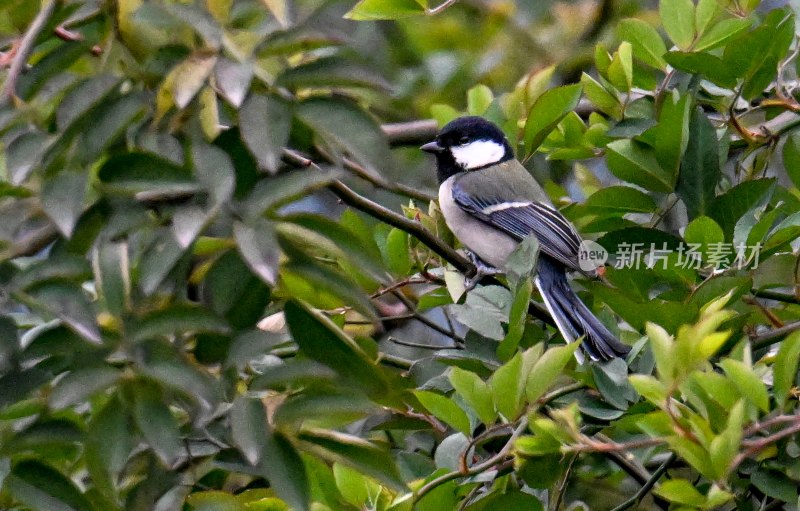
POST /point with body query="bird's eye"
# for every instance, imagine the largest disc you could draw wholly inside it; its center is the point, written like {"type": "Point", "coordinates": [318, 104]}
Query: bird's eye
{"type": "Point", "coordinates": [463, 140]}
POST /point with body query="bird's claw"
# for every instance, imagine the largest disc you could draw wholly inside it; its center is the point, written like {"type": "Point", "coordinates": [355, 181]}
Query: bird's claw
{"type": "Point", "coordinates": [481, 270]}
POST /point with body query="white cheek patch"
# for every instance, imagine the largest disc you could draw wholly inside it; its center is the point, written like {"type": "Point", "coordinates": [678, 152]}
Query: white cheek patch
{"type": "Point", "coordinates": [478, 154]}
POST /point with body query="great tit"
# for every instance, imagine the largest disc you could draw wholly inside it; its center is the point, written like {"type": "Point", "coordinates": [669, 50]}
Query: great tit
{"type": "Point", "coordinates": [491, 203]}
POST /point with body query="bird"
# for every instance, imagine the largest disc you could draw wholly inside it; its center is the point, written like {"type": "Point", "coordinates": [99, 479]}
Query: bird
{"type": "Point", "coordinates": [491, 203]}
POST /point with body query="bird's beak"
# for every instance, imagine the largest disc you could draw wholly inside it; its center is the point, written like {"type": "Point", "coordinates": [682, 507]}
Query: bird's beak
{"type": "Point", "coordinates": [432, 147]}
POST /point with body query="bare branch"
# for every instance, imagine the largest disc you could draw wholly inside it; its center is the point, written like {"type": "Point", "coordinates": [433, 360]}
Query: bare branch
{"type": "Point", "coordinates": [25, 48]}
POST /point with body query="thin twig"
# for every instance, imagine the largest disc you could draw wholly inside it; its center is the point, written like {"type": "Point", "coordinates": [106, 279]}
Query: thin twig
{"type": "Point", "coordinates": [459, 341]}
{"type": "Point", "coordinates": [563, 485]}
{"type": "Point", "coordinates": [495, 460]}
{"type": "Point", "coordinates": [647, 486]}
{"type": "Point", "coordinates": [753, 447]}
{"type": "Point", "coordinates": [25, 48]}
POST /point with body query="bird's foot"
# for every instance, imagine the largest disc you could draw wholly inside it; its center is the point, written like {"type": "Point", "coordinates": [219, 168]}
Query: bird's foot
{"type": "Point", "coordinates": [481, 270]}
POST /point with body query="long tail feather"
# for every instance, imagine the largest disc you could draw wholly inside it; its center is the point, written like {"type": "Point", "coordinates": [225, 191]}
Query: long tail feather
{"type": "Point", "coordinates": [572, 316]}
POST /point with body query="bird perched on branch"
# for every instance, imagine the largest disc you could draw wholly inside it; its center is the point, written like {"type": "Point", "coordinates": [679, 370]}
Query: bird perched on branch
{"type": "Point", "coordinates": [491, 203]}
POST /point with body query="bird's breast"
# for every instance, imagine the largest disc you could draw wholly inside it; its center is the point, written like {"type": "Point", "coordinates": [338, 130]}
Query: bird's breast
{"type": "Point", "coordinates": [490, 244]}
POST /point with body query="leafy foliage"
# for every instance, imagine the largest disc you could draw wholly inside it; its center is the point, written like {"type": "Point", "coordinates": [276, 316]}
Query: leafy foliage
{"type": "Point", "coordinates": [225, 284]}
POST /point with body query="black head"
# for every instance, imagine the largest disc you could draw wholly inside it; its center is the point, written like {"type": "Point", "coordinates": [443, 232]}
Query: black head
{"type": "Point", "coordinates": [468, 143]}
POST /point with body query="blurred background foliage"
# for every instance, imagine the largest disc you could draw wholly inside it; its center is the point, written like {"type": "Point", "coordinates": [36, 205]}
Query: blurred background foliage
{"type": "Point", "coordinates": [224, 285]}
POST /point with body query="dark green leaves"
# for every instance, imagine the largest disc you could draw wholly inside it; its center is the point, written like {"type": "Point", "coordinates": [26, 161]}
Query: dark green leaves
{"type": "Point", "coordinates": [633, 162]}
{"type": "Point", "coordinates": [320, 339]}
{"type": "Point", "coordinates": [264, 122]}
{"type": "Point", "coordinates": [700, 169]}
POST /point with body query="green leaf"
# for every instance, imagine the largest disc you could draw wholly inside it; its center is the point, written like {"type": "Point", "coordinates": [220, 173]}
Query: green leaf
{"type": "Point", "coordinates": [476, 393]}
{"type": "Point", "coordinates": [672, 133]}
{"type": "Point", "coordinates": [611, 379]}
{"type": "Point", "coordinates": [258, 245]}
{"type": "Point", "coordinates": [177, 319]}
{"type": "Point", "coordinates": [677, 16]}
{"type": "Point", "coordinates": [721, 33]}
{"type": "Point", "coordinates": [748, 383]}
{"type": "Point", "coordinates": [63, 199]}
{"type": "Point", "coordinates": [343, 125]}
{"type": "Point", "coordinates": [710, 66]}
{"type": "Point", "coordinates": [549, 367]}
{"type": "Point", "coordinates": [479, 98]}
{"type": "Point", "coordinates": [729, 207]}
{"type": "Point", "coordinates": [791, 158]}
{"type": "Point", "coordinates": [700, 170]}
{"type": "Point", "coordinates": [188, 77]}
{"type": "Point", "coordinates": [521, 262]}
{"type": "Point", "coordinates": [445, 409]}
{"type": "Point", "coordinates": [323, 286]}
{"type": "Point", "coordinates": [507, 384]}
{"type": "Point", "coordinates": [233, 79]}
{"type": "Point", "coordinates": [785, 367]}
{"type": "Point", "coordinates": [83, 98]}
{"type": "Point", "coordinates": [603, 99]}
{"type": "Point", "coordinates": [138, 173]}
{"type": "Point", "coordinates": [23, 154]}
{"type": "Point", "coordinates": [155, 421]}
{"type": "Point", "coordinates": [663, 351]}
{"type": "Point", "coordinates": [321, 340]}
{"type": "Point", "coordinates": [215, 501]}
{"type": "Point", "coordinates": [264, 123]}
{"type": "Point", "coordinates": [354, 487]}
{"type": "Point", "coordinates": [109, 442]}
{"type": "Point", "coordinates": [80, 384]}
{"type": "Point", "coordinates": [647, 44]}
{"type": "Point", "coordinates": [775, 484]}
{"type": "Point", "coordinates": [705, 231]}
{"type": "Point", "coordinates": [680, 491]}
{"type": "Point", "coordinates": [248, 421]}
{"type": "Point", "coordinates": [547, 112]}
{"type": "Point", "coordinates": [68, 303]}
{"type": "Point", "coordinates": [384, 10]}
{"type": "Point", "coordinates": [111, 266]}
{"type": "Point", "coordinates": [704, 13]}
{"type": "Point", "coordinates": [649, 388]}
{"type": "Point", "coordinates": [635, 163]}
{"type": "Point", "coordinates": [517, 319]}
{"type": "Point", "coordinates": [619, 200]}
{"type": "Point", "coordinates": [283, 467]}
{"type": "Point", "coordinates": [109, 124]}
{"type": "Point", "coordinates": [620, 71]}
{"type": "Point", "coordinates": [725, 446]}
{"type": "Point", "coordinates": [398, 258]}
{"type": "Point", "coordinates": [356, 453]}
{"type": "Point", "coordinates": [330, 72]}
{"type": "Point", "coordinates": [41, 487]}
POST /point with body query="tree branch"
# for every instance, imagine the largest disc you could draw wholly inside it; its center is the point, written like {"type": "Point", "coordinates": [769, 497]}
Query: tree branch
{"type": "Point", "coordinates": [25, 48]}
{"type": "Point", "coordinates": [412, 132]}
{"type": "Point", "coordinates": [773, 336]}
{"type": "Point", "coordinates": [647, 486]}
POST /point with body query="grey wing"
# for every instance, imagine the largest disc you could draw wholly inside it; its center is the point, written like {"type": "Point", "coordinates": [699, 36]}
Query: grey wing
{"type": "Point", "coordinates": [520, 218]}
